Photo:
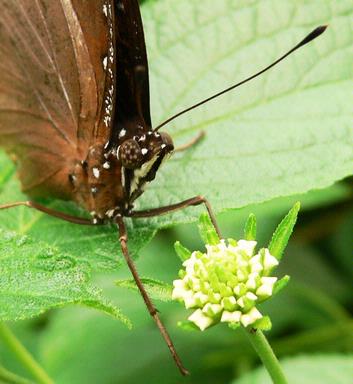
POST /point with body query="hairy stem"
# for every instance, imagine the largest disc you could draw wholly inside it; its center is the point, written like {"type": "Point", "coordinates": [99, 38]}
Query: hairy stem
{"type": "Point", "coordinates": [267, 356]}
{"type": "Point", "coordinates": [23, 355]}
{"type": "Point", "coordinates": [11, 378]}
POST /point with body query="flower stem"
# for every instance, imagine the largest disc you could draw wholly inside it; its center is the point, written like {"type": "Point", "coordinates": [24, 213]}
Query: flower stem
{"type": "Point", "coordinates": [23, 355]}
{"type": "Point", "coordinates": [267, 356]}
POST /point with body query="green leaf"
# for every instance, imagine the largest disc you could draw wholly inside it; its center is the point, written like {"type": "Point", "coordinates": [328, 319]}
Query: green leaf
{"type": "Point", "coordinates": [207, 231]}
{"type": "Point", "coordinates": [35, 277]}
{"type": "Point", "coordinates": [158, 290]}
{"type": "Point", "coordinates": [181, 251]}
{"type": "Point", "coordinates": [283, 232]}
{"type": "Point", "coordinates": [307, 369]}
{"type": "Point", "coordinates": [250, 228]}
{"type": "Point", "coordinates": [280, 284]}
{"type": "Point", "coordinates": [267, 138]}
{"type": "Point", "coordinates": [264, 324]}
{"type": "Point", "coordinates": [187, 325]}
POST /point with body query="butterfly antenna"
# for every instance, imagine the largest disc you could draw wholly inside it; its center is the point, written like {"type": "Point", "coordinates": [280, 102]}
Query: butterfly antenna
{"type": "Point", "coordinates": [311, 36]}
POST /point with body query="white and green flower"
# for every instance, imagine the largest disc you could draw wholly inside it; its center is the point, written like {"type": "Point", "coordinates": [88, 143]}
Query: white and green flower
{"type": "Point", "coordinates": [228, 281]}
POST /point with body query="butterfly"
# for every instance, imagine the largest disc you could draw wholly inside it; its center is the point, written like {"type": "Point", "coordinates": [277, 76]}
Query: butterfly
{"type": "Point", "coordinates": [75, 113]}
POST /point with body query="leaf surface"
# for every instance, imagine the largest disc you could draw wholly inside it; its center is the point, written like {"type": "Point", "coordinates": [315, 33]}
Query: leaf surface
{"type": "Point", "coordinates": [35, 277]}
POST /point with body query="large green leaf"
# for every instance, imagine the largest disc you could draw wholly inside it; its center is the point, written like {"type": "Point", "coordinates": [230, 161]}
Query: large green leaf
{"type": "Point", "coordinates": [286, 133]}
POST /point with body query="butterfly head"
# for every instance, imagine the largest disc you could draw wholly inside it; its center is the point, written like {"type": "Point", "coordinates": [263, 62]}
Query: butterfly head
{"type": "Point", "coordinates": [140, 158]}
{"type": "Point", "coordinates": [134, 152]}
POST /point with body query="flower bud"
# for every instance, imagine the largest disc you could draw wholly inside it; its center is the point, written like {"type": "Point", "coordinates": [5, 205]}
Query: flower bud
{"type": "Point", "coordinates": [225, 283]}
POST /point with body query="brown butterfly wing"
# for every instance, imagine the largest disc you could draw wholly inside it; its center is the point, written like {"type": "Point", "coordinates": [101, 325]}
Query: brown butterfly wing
{"type": "Point", "coordinates": [51, 87]}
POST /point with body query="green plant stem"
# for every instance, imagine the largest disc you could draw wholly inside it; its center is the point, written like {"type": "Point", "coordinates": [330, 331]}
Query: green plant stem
{"type": "Point", "coordinates": [267, 356]}
{"type": "Point", "coordinates": [11, 378]}
{"type": "Point", "coordinates": [23, 355]}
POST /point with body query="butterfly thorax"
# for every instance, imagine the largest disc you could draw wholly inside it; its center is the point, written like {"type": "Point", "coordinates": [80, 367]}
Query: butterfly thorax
{"type": "Point", "coordinates": [111, 178]}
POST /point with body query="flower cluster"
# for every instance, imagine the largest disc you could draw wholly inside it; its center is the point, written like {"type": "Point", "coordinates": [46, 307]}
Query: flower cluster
{"type": "Point", "coordinates": [225, 283]}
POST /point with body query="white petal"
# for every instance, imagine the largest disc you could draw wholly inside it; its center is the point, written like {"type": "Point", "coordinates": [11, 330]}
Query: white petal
{"type": "Point", "coordinates": [200, 319]}
{"type": "Point", "coordinates": [236, 290]}
{"type": "Point", "coordinates": [190, 302]}
{"type": "Point", "coordinates": [200, 298]}
{"type": "Point", "coordinates": [251, 296]}
{"type": "Point", "coordinates": [241, 302]}
{"type": "Point", "coordinates": [251, 283]}
{"type": "Point", "coordinates": [181, 293]}
{"type": "Point", "coordinates": [250, 317]}
{"type": "Point", "coordinates": [212, 309]}
{"type": "Point", "coordinates": [241, 275]}
{"type": "Point", "coordinates": [266, 288]}
{"type": "Point", "coordinates": [195, 283]}
{"type": "Point", "coordinates": [229, 302]}
{"type": "Point", "coordinates": [269, 260]}
{"type": "Point", "coordinates": [217, 297]}
{"type": "Point", "coordinates": [178, 283]}
{"type": "Point", "coordinates": [268, 280]}
{"type": "Point", "coordinates": [247, 245]}
{"type": "Point", "coordinates": [190, 260]}
{"type": "Point", "coordinates": [255, 263]}
{"type": "Point", "coordinates": [231, 317]}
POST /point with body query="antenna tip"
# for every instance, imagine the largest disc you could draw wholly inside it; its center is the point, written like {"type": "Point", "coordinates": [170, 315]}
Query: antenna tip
{"type": "Point", "coordinates": [313, 35]}
{"type": "Point", "coordinates": [321, 29]}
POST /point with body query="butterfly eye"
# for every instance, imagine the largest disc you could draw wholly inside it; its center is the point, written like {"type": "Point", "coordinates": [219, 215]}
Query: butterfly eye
{"type": "Point", "coordinates": [130, 154]}
{"type": "Point", "coordinates": [167, 140]}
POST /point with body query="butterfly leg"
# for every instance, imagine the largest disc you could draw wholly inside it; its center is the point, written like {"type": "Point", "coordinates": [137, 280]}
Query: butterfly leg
{"type": "Point", "coordinates": [191, 143]}
{"type": "Point", "coordinates": [49, 211]}
{"type": "Point", "coordinates": [197, 200]}
{"type": "Point", "coordinates": [150, 306]}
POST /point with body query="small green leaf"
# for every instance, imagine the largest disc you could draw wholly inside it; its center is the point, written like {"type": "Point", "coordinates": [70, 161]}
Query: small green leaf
{"type": "Point", "coordinates": [283, 232]}
{"type": "Point", "coordinates": [233, 325]}
{"type": "Point", "coordinates": [158, 290]}
{"type": "Point", "coordinates": [181, 251]}
{"type": "Point", "coordinates": [187, 325]}
{"type": "Point", "coordinates": [280, 284]}
{"type": "Point", "coordinates": [264, 324]}
{"type": "Point", "coordinates": [250, 228]}
{"type": "Point", "coordinates": [207, 231]}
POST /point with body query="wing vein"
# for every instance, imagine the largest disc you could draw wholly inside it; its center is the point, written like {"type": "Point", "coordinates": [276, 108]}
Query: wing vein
{"type": "Point", "coordinates": [74, 118]}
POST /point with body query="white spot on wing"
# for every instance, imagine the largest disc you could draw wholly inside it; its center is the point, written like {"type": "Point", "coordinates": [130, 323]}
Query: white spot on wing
{"type": "Point", "coordinates": [123, 176]}
{"type": "Point", "coordinates": [144, 151]}
{"type": "Point", "coordinates": [108, 64]}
